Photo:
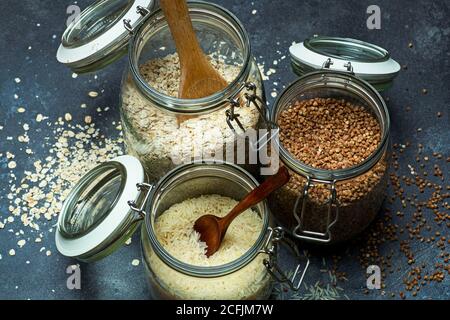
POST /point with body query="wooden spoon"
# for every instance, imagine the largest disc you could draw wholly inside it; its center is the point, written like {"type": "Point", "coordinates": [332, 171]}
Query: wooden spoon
{"type": "Point", "coordinates": [212, 229]}
{"type": "Point", "coordinates": [198, 77]}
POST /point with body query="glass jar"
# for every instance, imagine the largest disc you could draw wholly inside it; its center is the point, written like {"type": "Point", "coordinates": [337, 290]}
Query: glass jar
{"type": "Point", "coordinates": [245, 278]}
{"type": "Point", "coordinates": [105, 208]}
{"type": "Point", "coordinates": [160, 129]}
{"type": "Point", "coordinates": [151, 119]}
{"type": "Point", "coordinates": [329, 206]}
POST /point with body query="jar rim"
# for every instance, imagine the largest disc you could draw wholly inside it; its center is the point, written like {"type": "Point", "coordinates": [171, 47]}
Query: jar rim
{"type": "Point", "coordinates": [209, 271]}
{"type": "Point", "coordinates": [323, 175]}
{"type": "Point", "coordinates": [367, 52]}
{"type": "Point", "coordinates": [70, 40]}
{"type": "Point", "coordinates": [200, 105]}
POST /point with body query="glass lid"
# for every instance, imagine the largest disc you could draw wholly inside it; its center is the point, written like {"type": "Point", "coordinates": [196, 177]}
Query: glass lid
{"type": "Point", "coordinates": [96, 216]}
{"type": "Point", "coordinates": [98, 36]}
{"type": "Point", "coordinates": [365, 60]}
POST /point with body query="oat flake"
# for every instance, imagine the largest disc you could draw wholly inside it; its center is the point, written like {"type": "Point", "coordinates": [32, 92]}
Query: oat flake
{"type": "Point", "coordinates": [135, 262]}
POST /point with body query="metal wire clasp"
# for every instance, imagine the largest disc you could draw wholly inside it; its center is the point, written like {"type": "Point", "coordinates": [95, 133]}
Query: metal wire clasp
{"type": "Point", "coordinates": [127, 22]}
{"type": "Point", "coordinates": [251, 98]}
{"type": "Point", "coordinates": [140, 212]}
{"type": "Point", "coordinates": [277, 236]}
{"type": "Point", "coordinates": [232, 115]}
{"type": "Point", "coordinates": [316, 236]}
{"type": "Point", "coordinates": [328, 63]}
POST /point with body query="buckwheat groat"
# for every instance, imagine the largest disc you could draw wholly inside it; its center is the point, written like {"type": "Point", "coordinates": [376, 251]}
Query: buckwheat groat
{"type": "Point", "coordinates": [329, 134]}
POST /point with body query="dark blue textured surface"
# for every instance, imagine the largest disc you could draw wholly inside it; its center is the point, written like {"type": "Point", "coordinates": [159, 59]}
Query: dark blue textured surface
{"type": "Point", "coordinates": [47, 87]}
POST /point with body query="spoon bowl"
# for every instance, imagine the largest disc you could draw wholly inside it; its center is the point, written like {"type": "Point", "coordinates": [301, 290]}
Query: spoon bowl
{"type": "Point", "coordinates": [212, 229]}
{"type": "Point", "coordinates": [208, 226]}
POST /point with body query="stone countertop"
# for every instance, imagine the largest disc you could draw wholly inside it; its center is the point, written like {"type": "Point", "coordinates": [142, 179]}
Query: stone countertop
{"type": "Point", "coordinates": [415, 32]}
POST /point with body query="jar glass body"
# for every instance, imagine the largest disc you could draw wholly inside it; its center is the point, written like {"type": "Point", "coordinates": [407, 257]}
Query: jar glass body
{"type": "Point", "coordinates": [330, 206]}
{"type": "Point", "coordinates": [168, 278]}
{"type": "Point", "coordinates": [151, 114]}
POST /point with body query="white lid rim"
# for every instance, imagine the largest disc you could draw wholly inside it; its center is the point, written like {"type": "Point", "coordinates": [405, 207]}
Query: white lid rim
{"type": "Point", "coordinates": [104, 44]}
{"type": "Point", "coordinates": [382, 70]}
{"type": "Point", "coordinates": [94, 241]}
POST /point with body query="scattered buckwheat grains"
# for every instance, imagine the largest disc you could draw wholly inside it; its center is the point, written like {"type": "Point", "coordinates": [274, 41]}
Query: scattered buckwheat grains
{"type": "Point", "coordinates": [419, 189]}
{"type": "Point", "coordinates": [332, 134]}
{"type": "Point", "coordinates": [410, 248]}
{"type": "Point", "coordinates": [155, 136]}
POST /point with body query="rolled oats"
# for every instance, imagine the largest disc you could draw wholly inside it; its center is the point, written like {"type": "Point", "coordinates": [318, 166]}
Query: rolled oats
{"type": "Point", "coordinates": [155, 136]}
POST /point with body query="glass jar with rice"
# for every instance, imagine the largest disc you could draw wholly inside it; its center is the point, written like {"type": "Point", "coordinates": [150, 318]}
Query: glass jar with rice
{"type": "Point", "coordinates": [176, 265]}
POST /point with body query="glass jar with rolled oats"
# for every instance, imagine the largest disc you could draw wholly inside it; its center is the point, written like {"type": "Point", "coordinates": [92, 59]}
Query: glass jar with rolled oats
{"type": "Point", "coordinates": [160, 129]}
{"type": "Point", "coordinates": [334, 138]}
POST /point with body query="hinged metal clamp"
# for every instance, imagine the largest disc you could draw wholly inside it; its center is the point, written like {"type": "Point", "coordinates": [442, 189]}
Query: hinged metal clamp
{"type": "Point", "coordinates": [327, 64]}
{"type": "Point", "coordinates": [348, 66]}
{"type": "Point", "coordinates": [127, 22]}
{"type": "Point", "coordinates": [142, 11]}
{"type": "Point", "coordinates": [140, 212]}
{"type": "Point", "coordinates": [275, 237]}
{"type": "Point", "coordinates": [127, 25]}
{"type": "Point", "coordinates": [251, 98]}
{"type": "Point", "coordinates": [302, 199]}
{"type": "Point", "coordinates": [231, 115]}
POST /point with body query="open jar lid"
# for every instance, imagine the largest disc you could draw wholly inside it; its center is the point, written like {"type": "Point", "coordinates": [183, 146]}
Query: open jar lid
{"type": "Point", "coordinates": [367, 61]}
{"type": "Point", "coordinates": [100, 214]}
{"type": "Point", "coordinates": [99, 36]}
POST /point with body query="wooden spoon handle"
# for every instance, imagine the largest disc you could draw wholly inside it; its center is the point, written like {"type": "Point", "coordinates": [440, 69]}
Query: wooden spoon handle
{"type": "Point", "coordinates": [183, 33]}
{"type": "Point", "coordinates": [180, 24]}
{"type": "Point", "coordinates": [257, 195]}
